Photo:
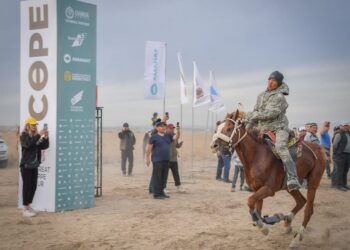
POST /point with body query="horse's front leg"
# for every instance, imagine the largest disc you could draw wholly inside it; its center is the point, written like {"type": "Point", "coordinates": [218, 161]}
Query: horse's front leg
{"type": "Point", "coordinates": [255, 203]}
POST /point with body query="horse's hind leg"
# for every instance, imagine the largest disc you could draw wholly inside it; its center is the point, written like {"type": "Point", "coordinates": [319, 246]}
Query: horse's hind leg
{"type": "Point", "coordinates": [300, 202]}
{"type": "Point", "coordinates": [309, 210]}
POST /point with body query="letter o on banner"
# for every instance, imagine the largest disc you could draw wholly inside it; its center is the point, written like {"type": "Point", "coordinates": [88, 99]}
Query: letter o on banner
{"type": "Point", "coordinates": [38, 68]}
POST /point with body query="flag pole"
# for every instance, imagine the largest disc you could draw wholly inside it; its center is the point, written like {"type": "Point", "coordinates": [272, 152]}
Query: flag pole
{"type": "Point", "coordinates": [206, 129]}
{"type": "Point", "coordinates": [181, 162]}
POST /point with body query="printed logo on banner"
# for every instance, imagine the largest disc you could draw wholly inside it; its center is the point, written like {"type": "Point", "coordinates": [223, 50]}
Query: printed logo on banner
{"type": "Point", "coordinates": [69, 76]}
{"type": "Point", "coordinates": [78, 39]}
{"type": "Point", "coordinates": [75, 100]}
{"type": "Point", "coordinates": [67, 59]}
{"type": "Point", "coordinates": [69, 12]}
{"type": "Point", "coordinates": [154, 89]}
{"type": "Point", "coordinates": [77, 16]}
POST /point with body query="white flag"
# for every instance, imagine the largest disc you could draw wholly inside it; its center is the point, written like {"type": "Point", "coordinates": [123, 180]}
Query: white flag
{"type": "Point", "coordinates": [216, 103]}
{"type": "Point", "coordinates": [155, 59]}
{"type": "Point", "coordinates": [201, 96]}
{"type": "Point", "coordinates": [183, 86]}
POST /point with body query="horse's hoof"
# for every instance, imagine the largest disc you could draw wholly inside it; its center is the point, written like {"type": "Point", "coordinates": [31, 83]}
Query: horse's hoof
{"type": "Point", "coordinates": [265, 230]}
{"type": "Point", "coordinates": [288, 230]}
{"type": "Point", "coordinates": [294, 244]}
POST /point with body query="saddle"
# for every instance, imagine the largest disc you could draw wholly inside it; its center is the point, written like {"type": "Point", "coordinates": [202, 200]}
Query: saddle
{"type": "Point", "coordinates": [294, 145]}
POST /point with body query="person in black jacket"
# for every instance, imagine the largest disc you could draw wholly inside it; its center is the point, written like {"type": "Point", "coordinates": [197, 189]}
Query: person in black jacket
{"type": "Point", "coordinates": [341, 157]}
{"type": "Point", "coordinates": [127, 142]}
{"type": "Point", "coordinates": [32, 143]}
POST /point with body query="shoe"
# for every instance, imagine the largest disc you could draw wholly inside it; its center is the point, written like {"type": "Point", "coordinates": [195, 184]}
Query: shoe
{"type": "Point", "coordinates": [166, 191]}
{"type": "Point", "coordinates": [28, 213]}
{"type": "Point", "coordinates": [293, 184]}
{"type": "Point", "coordinates": [347, 187]}
{"type": "Point", "coordinates": [179, 189]}
{"type": "Point", "coordinates": [341, 188]}
{"type": "Point", "coordinates": [219, 179]}
{"type": "Point", "coordinates": [228, 181]}
{"type": "Point", "coordinates": [159, 197]}
{"type": "Point", "coordinates": [233, 189]}
{"type": "Point", "coordinates": [32, 210]}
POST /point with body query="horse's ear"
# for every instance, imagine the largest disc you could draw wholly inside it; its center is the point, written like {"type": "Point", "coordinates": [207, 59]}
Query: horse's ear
{"type": "Point", "coordinates": [236, 115]}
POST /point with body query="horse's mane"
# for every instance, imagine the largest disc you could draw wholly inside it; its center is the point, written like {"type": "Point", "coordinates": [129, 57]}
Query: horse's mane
{"type": "Point", "coordinates": [251, 130]}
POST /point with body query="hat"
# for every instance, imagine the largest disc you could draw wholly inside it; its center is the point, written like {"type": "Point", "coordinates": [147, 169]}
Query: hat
{"type": "Point", "coordinates": [125, 125]}
{"type": "Point", "coordinates": [31, 121]}
{"type": "Point", "coordinates": [160, 123]}
{"type": "Point", "coordinates": [170, 126]}
{"type": "Point", "coordinates": [277, 76]}
{"type": "Point", "coordinates": [311, 124]}
{"type": "Point", "coordinates": [302, 128]}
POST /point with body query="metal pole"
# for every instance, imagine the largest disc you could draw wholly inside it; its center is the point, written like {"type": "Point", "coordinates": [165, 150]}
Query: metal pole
{"type": "Point", "coordinates": [181, 162]}
{"type": "Point", "coordinates": [191, 176]}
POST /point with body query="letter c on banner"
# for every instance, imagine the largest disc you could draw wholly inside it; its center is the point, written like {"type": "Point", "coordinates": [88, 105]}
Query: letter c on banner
{"type": "Point", "coordinates": [41, 115]}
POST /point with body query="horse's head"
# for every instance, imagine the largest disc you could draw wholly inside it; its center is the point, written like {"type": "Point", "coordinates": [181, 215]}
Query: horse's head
{"type": "Point", "coordinates": [228, 134]}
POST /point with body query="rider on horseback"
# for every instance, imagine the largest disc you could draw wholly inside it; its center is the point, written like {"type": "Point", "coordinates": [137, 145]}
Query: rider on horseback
{"type": "Point", "coordinates": [270, 114]}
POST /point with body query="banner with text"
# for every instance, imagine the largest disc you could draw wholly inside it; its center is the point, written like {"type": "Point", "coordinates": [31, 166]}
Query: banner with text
{"type": "Point", "coordinates": [155, 62]}
{"type": "Point", "coordinates": [38, 84]}
{"type": "Point", "coordinates": [58, 85]}
{"type": "Point", "coordinates": [76, 69]}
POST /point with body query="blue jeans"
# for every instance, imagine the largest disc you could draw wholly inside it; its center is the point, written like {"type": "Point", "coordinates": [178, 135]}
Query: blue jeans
{"type": "Point", "coordinates": [227, 165]}
{"type": "Point", "coordinates": [219, 167]}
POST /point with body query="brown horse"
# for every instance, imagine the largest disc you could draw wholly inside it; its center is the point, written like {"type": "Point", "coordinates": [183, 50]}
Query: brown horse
{"type": "Point", "coordinates": [265, 174]}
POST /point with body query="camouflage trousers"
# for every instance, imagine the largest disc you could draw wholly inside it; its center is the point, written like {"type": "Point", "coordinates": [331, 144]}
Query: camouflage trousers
{"type": "Point", "coordinates": [281, 147]}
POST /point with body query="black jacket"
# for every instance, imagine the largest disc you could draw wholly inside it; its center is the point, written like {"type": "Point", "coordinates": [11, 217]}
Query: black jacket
{"type": "Point", "coordinates": [127, 140]}
{"type": "Point", "coordinates": [31, 147]}
{"type": "Point", "coordinates": [342, 143]}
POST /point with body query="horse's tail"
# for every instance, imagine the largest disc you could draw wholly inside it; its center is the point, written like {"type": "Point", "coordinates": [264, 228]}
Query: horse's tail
{"type": "Point", "coordinates": [319, 164]}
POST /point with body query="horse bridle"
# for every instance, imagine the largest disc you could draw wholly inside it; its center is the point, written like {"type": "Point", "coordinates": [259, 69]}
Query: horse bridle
{"type": "Point", "coordinates": [235, 131]}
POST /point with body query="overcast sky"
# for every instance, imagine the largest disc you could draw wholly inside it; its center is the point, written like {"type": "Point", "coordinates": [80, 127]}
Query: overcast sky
{"type": "Point", "coordinates": [241, 41]}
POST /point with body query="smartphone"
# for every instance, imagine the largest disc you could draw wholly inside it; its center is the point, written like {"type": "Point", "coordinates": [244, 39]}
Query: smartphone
{"type": "Point", "coordinates": [45, 126]}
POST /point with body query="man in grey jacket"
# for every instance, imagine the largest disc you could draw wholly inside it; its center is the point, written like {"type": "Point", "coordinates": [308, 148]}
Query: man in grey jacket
{"type": "Point", "coordinates": [127, 142]}
{"type": "Point", "coordinates": [270, 114]}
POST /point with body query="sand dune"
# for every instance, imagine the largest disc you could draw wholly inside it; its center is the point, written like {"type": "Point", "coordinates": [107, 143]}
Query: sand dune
{"type": "Point", "coordinates": [207, 216]}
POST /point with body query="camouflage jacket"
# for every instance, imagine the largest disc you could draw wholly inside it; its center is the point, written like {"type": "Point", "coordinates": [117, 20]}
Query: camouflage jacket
{"type": "Point", "coordinates": [270, 110]}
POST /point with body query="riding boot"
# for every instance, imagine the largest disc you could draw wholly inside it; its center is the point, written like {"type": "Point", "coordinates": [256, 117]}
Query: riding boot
{"type": "Point", "coordinates": [292, 177]}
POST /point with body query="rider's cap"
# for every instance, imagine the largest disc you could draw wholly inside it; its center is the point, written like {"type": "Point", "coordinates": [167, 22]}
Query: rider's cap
{"type": "Point", "coordinates": [277, 76]}
{"type": "Point", "coordinates": [31, 121]}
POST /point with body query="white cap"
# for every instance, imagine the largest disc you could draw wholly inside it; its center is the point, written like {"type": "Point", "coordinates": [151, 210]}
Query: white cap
{"type": "Point", "coordinates": [302, 128]}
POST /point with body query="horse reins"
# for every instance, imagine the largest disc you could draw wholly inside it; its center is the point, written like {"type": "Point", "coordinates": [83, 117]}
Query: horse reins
{"type": "Point", "coordinates": [229, 140]}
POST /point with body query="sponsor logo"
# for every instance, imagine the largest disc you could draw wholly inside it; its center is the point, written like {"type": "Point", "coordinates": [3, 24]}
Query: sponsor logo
{"type": "Point", "coordinates": [69, 12]}
{"type": "Point", "coordinates": [69, 76]}
{"type": "Point", "coordinates": [154, 89]}
{"type": "Point", "coordinates": [67, 59]}
{"type": "Point", "coordinates": [75, 100]}
{"type": "Point", "coordinates": [78, 39]}
{"type": "Point", "coordinates": [77, 16]}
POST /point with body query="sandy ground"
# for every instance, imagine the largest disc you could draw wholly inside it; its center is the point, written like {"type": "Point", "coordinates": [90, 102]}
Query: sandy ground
{"type": "Point", "coordinates": [207, 216]}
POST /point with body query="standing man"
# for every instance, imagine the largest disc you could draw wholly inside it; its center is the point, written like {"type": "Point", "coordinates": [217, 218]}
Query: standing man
{"type": "Point", "coordinates": [127, 142]}
{"type": "Point", "coordinates": [270, 114]}
{"type": "Point", "coordinates": [159, 146]}
{"type": "Point", "coordinates": [326, 144]}
{"type": "Point", "coordinates": [341, 157]}
{"type": "Point", "coordinates": [311, 134]}
{"type": "Point", "coordinates": [173, 165]}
